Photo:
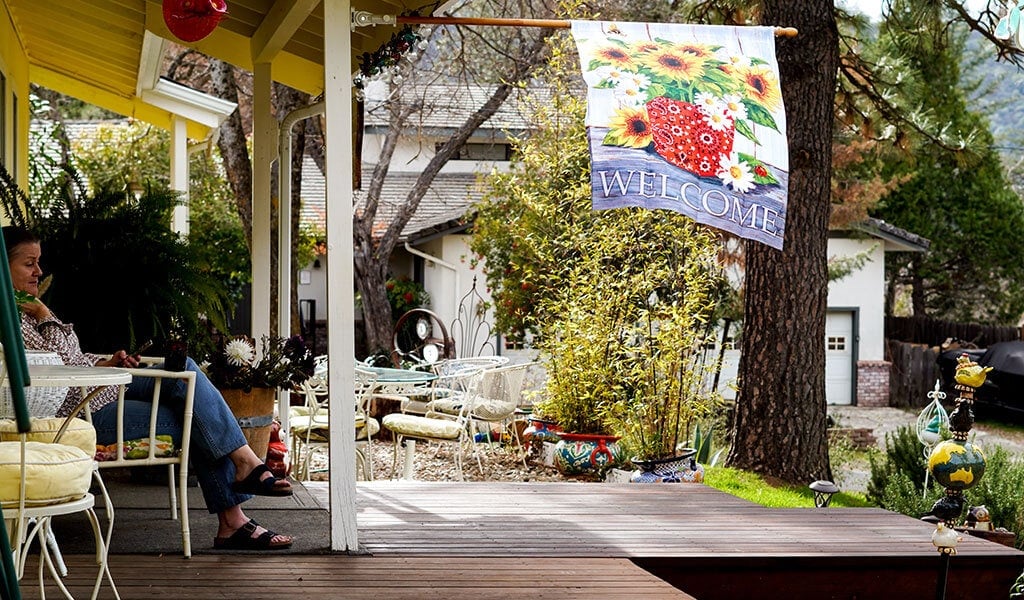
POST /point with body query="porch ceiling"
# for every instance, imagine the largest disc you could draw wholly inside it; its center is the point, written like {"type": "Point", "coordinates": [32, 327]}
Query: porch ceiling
{"type": "Point", "coordinates": [91, 49]}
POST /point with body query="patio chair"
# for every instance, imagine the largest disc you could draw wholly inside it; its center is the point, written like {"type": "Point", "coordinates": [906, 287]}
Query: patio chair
{"type": "Point", "coordinates": [156, 450]}
{"type": "Point", "coordinates": [436, 426]}
{"type": "Point", "coordinates": [310, 423]}
{"type": "Point", "coordinates": [42, 480]}
{"type": "Point", "coordinates": [450, 376]}
{"type": "Point", "coordinates": [46, 472]}
{"type": "Point", "coordinates": [496, 402]}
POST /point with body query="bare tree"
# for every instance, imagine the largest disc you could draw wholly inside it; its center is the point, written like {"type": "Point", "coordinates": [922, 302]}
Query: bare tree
{"type": "Point", "coordinates": [508, 58]}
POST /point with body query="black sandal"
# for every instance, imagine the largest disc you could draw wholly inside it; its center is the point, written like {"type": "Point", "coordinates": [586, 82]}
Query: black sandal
{"type": "Point", "coordinates": [252, 484]}
{"type": "Point", "coordinates": [242, 539]}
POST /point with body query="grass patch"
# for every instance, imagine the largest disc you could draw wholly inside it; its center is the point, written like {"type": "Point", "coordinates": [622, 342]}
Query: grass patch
{"type": "Point", "coordinates": [757, 489]}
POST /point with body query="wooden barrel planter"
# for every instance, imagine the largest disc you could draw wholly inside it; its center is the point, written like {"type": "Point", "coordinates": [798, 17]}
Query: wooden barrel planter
{"type": "Point", "coordinates": [254, 411]}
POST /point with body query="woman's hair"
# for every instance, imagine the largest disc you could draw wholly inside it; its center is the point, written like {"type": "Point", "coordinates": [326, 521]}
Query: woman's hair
{"type": "Point", "coordinates": [15, 236]}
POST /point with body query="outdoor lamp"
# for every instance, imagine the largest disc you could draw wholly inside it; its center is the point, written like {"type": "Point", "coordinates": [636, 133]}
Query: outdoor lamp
{"type": "Point", "coordinates": [823, 491]}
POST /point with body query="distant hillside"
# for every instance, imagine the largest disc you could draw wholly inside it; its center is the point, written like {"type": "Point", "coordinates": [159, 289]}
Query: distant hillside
{"type": "Point", "coordinates": [1000, 95]}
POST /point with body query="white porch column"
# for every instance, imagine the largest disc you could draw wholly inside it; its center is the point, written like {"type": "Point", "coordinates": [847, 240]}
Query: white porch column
{"type": "Point", "coordinates": [179, 174]}
{"type": "Point", "coordinates": [264, 151]}
{"type": "Point", "coordinates": [340, 297]}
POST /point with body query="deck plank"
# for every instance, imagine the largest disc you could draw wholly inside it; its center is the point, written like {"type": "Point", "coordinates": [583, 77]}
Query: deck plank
{"type": "Point", "coordinates": [210, 577]}
{"type": "Point", "coordinates": [570, 540]}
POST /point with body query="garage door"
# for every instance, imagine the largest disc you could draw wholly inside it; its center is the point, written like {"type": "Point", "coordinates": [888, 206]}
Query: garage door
{"type": "Point", "coordinates": [839, 339]}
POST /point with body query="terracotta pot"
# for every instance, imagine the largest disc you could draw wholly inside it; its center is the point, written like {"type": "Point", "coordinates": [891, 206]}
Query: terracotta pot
{"type": "Point", "coordinates": [254, 411]}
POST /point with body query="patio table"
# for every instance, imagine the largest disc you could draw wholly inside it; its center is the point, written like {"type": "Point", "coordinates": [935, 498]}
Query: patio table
{"type": "Point", "coordinates": [403, 382]}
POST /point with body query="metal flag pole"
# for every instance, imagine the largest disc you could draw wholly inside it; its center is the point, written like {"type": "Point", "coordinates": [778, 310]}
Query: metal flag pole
{"type": "Point", "coordinates": [363, 18]}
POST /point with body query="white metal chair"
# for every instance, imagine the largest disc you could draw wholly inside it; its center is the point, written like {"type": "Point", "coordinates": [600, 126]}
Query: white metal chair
{"type": "Point", "coordinates": [153, 451]}
{"type": "Point", "coordinates": [45, 473]}
{"type": "Point", "coordinates": [450, 375]}
{"type": "Point", "coordinates": [496, 401]}
{"type": "Point", "coordinates": [310, 423]}
{"type": "Point", "coordinates": [436, 426]}
{"type": "Point", "coordinates": [49, 479]}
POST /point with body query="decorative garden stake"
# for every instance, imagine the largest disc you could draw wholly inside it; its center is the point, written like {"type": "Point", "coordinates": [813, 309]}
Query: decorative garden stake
{"type": "Point", "coordinates": [956, 464]}
{"type": "Point", "coordinates": [930, 423]}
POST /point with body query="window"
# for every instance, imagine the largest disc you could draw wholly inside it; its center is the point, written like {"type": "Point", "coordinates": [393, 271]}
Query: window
{"type": "Point", "coordinates": [837, 342]}
{"type": "Point", "coordinates": [480, 151]}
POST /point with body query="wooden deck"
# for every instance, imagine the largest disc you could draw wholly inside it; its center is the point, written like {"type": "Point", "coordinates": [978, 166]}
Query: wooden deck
{"type": "Point", "coordinates": [500, 540]}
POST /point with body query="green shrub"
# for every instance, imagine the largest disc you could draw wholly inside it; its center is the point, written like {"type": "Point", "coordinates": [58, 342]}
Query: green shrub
{"type": "Point", "coordinates": [897, 483]}
{"type": "Point", "coordinates": [902, 495]}
{"type": "Point", "coordinates": [1001, 490]}
{"type": "Point", "coordinates": [903, 454]}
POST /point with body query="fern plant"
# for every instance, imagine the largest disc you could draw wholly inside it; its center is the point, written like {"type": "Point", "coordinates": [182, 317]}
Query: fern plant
{"type": "Point", "coordinates": [119, 273]}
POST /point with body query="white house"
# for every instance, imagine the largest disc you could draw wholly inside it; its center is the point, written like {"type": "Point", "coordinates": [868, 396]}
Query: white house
{"type": "Point", "coordinates": [435, 249]}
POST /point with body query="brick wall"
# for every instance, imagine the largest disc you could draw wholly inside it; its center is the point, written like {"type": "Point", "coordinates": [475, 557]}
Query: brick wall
{"type": "Point", "coordinates": [859, 437]}
{"type": "Point", "coordinates": [873, 383]}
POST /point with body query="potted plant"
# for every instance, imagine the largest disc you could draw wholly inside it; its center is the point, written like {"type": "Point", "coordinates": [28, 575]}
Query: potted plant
{"type": "Point", "coordinates": [248, 381]}
{"type": "Point", "coordinates": [580, 390]}
{"type": "Point", "coordinates": [625, 349]}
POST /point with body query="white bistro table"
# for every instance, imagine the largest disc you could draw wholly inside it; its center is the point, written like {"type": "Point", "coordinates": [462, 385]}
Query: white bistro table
{"type": "Point", "coordinates": [98, 378]}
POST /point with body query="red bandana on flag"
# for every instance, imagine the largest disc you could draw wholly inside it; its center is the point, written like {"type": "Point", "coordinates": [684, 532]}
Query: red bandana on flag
{"type": "Point", "coordinates": [687, 118]}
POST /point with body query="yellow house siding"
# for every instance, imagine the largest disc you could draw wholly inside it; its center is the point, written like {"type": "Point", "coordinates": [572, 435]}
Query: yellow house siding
{"type": "Point", "coordinates": [14, 66]}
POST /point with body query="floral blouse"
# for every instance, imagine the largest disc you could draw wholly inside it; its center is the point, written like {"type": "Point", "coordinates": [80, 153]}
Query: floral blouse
{"type": "Point", "coordinates": [54, 336]}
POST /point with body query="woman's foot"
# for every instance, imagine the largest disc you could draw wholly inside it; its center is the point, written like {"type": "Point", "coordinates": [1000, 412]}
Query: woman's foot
{"type": "Point", "coordinates": [258, 480]}
{"type": "Point", "coordinates": [250, 535]}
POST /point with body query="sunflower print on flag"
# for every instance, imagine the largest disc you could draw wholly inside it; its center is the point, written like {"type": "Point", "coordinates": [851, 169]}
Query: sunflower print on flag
{"type": "Point", "coordinates": [688, 102]}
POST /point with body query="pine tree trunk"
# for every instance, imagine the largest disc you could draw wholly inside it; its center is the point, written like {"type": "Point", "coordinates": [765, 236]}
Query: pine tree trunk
{"type": "Point", "coordinates": [779, 427]}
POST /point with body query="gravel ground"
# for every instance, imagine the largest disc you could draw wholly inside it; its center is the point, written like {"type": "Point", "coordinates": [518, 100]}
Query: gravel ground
{"type": "Point", "coordinates": [434, 462]}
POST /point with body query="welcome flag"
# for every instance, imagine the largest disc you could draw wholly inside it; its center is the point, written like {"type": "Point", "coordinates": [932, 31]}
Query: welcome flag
{"type": "Point", "coordinates": [687, 118]}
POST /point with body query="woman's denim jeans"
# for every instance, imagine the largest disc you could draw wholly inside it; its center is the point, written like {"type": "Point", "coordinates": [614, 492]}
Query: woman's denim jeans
{"type": "Point", "coordinates": [215, 432]}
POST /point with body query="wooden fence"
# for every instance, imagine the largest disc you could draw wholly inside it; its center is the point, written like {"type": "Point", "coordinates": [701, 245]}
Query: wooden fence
{"type": "Point", "coordinates": [912, 374]}
{"type": "Point", "coordinates": [912, 348]}
{"type": "Point", "coordinates": [926, 330]}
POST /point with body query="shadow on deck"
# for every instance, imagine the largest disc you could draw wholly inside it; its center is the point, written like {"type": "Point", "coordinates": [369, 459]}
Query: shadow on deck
{"type": "Point", "coordinates": [506, 539]}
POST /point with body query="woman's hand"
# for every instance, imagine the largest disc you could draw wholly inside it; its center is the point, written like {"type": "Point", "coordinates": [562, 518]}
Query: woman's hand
{"type": "Point", "coordinates": [120, 359]}
{"type": "Point", "coordinates": [37, 310]}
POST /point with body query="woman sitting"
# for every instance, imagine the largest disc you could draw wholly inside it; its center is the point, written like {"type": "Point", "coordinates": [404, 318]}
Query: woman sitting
{"type": "Point", "coordinates": [229, 472]}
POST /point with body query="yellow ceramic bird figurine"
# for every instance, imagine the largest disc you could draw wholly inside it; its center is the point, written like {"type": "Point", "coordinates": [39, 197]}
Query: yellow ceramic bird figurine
{"type": "Point", "coordinates": [969, 372]}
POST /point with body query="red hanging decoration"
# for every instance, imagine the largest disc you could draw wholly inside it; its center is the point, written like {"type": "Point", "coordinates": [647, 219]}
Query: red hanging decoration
{"type": "Point", "coordinates": [192, 20]}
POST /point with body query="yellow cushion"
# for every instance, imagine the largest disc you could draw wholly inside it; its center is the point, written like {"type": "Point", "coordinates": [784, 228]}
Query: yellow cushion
{"type": "Point", "coordinates": [493, 409]}
{"type": "Point", "coordinates": [319, 428]}
{"type": "Point", "coordinates": [448, 406]}
{"type": "Point", "coordinates": [53, 473]}
{"type": "Point", "coordinates": [80, 433]}
{"type": "Point", "coordinates": [415, 426]}
{"type": "Point", "coordinates": [366, 427]}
